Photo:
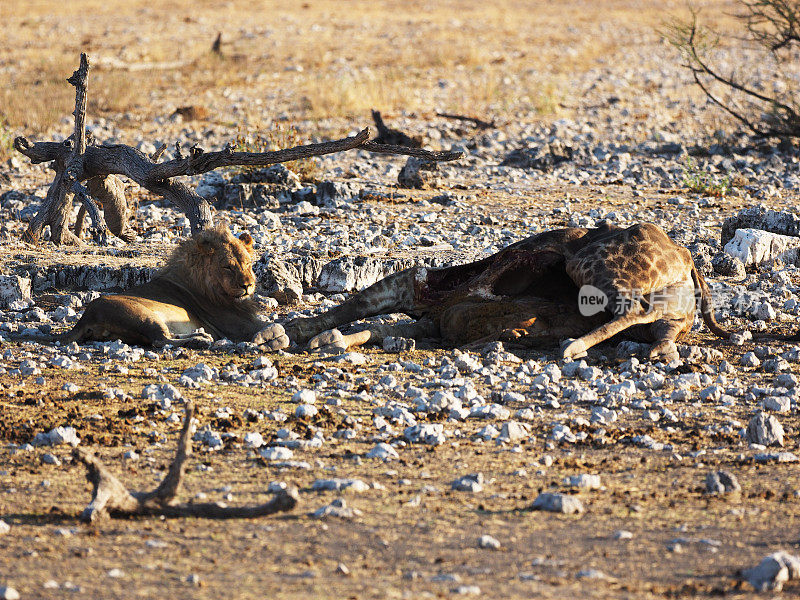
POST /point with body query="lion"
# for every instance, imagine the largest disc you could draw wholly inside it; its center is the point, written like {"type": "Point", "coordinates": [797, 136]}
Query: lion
{"type": "Point", "coordinates": [203, 293]}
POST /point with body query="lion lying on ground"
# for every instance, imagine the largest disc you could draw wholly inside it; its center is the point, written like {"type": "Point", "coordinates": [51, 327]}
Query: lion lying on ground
{"type": "Point", "coordinates": [203, 293]}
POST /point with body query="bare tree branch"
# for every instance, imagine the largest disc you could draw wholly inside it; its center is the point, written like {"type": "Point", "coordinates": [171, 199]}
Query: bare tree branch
{"type": "Point", "coordinates": [774, 24]}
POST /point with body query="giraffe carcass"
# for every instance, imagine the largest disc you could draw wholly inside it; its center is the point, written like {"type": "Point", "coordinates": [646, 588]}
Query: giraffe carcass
{"type": "Point", "coordinates": [535, 291]}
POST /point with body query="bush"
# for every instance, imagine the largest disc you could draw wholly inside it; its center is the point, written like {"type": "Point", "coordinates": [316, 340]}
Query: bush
{"type": "Point", "coordinates": [761, 93]}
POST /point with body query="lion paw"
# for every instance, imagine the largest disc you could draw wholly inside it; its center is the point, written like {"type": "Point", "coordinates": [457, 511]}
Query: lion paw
{"type": "Point", "coordinates": [273, 337]}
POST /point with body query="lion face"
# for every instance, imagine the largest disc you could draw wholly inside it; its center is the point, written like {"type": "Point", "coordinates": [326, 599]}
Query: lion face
{"type": "Point", "coordinates": [220, 265]}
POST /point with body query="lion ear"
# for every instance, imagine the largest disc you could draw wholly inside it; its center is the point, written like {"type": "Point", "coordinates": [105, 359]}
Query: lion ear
{"type": "Point", "coordinates": [246, 239]}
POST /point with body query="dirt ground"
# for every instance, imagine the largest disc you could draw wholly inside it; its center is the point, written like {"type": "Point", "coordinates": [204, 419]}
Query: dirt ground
{"type": "Point", "coordinates": [414, 537]}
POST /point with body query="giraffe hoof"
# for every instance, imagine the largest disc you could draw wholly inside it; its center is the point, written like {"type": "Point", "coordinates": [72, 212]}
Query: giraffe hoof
{"type": "Point", "coordinates": [326, 338]}
{"type": "Point", "coordinates": [665, 352]}
{"type": "Point", "coordinates": [572, 349]}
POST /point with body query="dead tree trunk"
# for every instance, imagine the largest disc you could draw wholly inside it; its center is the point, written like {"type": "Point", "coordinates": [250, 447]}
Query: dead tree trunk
{"type": "Point", "coordinates": [69, 166]}
{"type": "Point", "coordinates": [110, 496]}
{"type": "Point", "coordinates": [75, 162]}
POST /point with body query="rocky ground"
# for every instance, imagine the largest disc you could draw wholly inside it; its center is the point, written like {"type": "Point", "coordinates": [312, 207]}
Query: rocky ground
{"type": "Point", "coordinates": [499, 471]}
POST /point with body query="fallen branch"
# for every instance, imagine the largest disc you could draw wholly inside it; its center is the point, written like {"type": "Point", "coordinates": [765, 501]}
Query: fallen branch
{"type": "Point", "coordinates": [111, 497]}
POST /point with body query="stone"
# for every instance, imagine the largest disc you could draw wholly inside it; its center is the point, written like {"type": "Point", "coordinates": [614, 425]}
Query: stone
{"type": "Point", "coordinates": [339, 485]}
{"type": "Point", "coordinates": [276, 453]}
{"type": "Point", "coordinates": [543, 158]}
{"type": "Point", "coordinates": [383, 451]}
{"type": "Point", "coordinates": [8, 593]}
{"type": "Point", "coordinates": [488, 542]}
{"type": "Point", "coordinates": [305, 411]}
{"type": "Point", "coordinates": [777, 403]}
{"type": "Point", "coordinates": [729, 266]}
{"type": "Point", "coordinates": [722, 482]}
{"type": "Point", "coordinates": [765, 430]}
{"type": "Point", "coordinates": [425, 433]}
{"type": "Point", "coordinates": [466, 590]}
{"type": "Point", "coordinates": [50, 459]}
{"type": "Point", "coordinates": [14, 290]}
{"type": "Point", "coordinates": [584, 481]}
{"type": "Point", "coordinates": [338, 508]}
{"type": "Point", "coordinates": [468, 483]}
{"type": "Point", "coordinates": [555, 502]}
{"type": "Point", "coordinates": [773, 571]}
{"type": "Point", "coordinates": [758, 217]}
{"type": "Point", "coordinates": [277, 280]}
{"type": "Point", "coordinates": [253, 439]}
{"type": "Point", "coordinates": [209, 437]}
{"type": "Point", "coordinates": [512, 431]}
{"type": "Point", "coordinates": [397, 345]}
{"type": "Point", "coordinates": [756, 247]}
{"type": "Point", "coordinates": [56, 437]}
{"type": "Point", "coordinates": [4, 527]}
{"type": "Point", "coordinates": [305, 397]}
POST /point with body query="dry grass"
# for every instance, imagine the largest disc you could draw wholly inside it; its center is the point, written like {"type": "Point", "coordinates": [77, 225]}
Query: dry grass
{"type": "Point", "coordinates": [315, 60]}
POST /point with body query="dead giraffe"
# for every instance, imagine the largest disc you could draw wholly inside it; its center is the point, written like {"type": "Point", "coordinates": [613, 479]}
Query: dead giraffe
{"type": "Point", "coordinates": [530, 292]}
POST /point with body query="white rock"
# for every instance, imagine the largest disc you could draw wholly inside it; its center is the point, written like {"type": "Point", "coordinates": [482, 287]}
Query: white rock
{"type": "Point", "coordinates": [14, 289]}
{"type": "Point", "coordinates": [512, 431]}
{"type": "Point", "coordinates": [622, 534]}
{"type": "Point", "coordinates": [305, 397]}
{"type": "Point", "coordinates": [584, 481]}
{"type": "Point", "coordinates": [57, 436]}
{"type": "Point", "coordinates": [276, 453]}
{"type": "Point", "coordinates": [253, 439]}
{"type": "Point", "coordinates": [773, 571]}
{"type": "Point", "coordinates": [765, 430]}
{"type": "Point", "coordinates": [8, 593]}
{"type": "Point", "coordinates": [383, 451]}
{"type": "Point", "coordinates": [425, 433]}
{"type": "Point", "coordinates": [305, 410]}
{"type": "Point", "coordinates": [777, 403]}
{"type": "Point", "coordinates": [469, 483]}
{"type": "Point", "coordinates": [488, 542]}
{"type": "Point", "coordinates": [757, 247]}
{"type": "Point", "coordinates": [339, 484]}
{"type": "Point", "coordinates": [554, 502]}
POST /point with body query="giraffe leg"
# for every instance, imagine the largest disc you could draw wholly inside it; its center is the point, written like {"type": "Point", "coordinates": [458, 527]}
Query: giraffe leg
{"type": "Point", "coordinates": [665, 332]}
{"type": "Point", "coordinates": [334, 341]}
{"type": "Point", "coordinates": [637, 316]}
{"type": "Point", "coordinates": [393, 294]}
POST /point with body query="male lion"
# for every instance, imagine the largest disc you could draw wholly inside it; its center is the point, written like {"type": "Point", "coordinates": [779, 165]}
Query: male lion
{"type": "Point", "coordinates": [203, 293]}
